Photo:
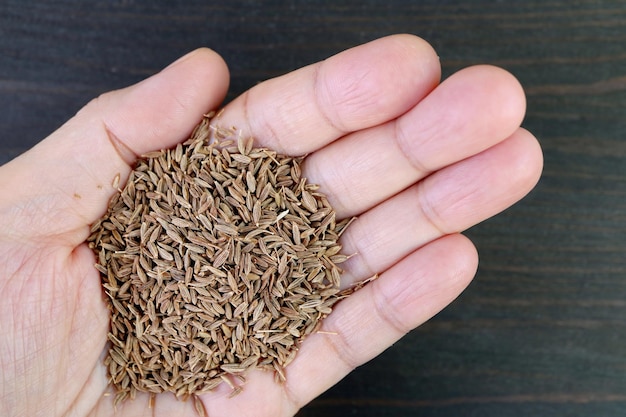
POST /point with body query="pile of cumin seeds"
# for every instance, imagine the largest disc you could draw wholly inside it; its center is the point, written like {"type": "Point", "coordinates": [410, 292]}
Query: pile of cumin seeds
{"type": "Point", "coordinates": [216, 258]}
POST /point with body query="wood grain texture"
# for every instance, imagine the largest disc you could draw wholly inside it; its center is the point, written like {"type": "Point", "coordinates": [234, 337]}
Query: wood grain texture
{"type": "Point", "coordinates": [541, 331]}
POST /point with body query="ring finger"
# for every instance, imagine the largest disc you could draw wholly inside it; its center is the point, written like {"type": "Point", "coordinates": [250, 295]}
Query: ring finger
{"type": "Point", "coordinates": [449, 201]}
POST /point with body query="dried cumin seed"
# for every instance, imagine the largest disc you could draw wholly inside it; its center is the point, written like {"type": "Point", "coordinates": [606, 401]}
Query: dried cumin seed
{"type": "Point", "coordinates": [199, 406]}
{"type": "Point", "coordinates": [242, 159]}
{"type": "Point", "coordinates": [226, 229]}
{"type": "Point", "coordinates": [279, 374]}
{"type": "Point", "coordinates": [240, 309]}
{"type": "Point", "coordinates": [250, 181]}
{"type": "Point", "coordinates": [116, 181]}
{"type": "Point", "coordinates": [202, 347]}
{"type": "Point", "coordinates": [220, 258]}
{"type": "Point", "coordinates": [178, 222]}
{"type": "Point", "coordinates": [164, 253]}
{"type": "Point", "coordinates": [340, 258]}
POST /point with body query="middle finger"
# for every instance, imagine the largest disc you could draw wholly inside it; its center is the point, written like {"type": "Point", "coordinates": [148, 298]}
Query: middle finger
{"type": "Point", "coordinates": [469, 112]}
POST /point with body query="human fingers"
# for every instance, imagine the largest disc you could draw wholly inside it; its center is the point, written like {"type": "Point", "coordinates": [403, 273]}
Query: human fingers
{"type": "Point", "coordinates": [449, 201]}
{"type": "Point", "coordinates": [470, 111]}
{"type": "Point", "coordinates": [372, 319]}
{"type": "Point", "coordinates": [362, 87]}
{"type": "Point", "coordinates": [63, 184]}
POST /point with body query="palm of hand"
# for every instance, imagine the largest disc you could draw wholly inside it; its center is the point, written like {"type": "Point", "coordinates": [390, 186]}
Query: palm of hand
{"type": "Point", "coordinates": [430, 162]}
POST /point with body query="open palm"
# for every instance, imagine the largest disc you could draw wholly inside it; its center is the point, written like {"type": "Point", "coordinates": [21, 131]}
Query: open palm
{"type": "Point", "coordinates": [415, 161]}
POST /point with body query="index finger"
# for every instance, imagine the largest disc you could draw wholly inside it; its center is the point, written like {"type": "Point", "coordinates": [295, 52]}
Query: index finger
{"type": "Point", "coordinates": [304, 110]}
{"type": "Point", "coordinates": [64, 183]}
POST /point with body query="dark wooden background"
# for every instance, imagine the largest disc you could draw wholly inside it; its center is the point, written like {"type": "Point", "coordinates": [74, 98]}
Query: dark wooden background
{"type": "Point", "coordinates": [542, 330]}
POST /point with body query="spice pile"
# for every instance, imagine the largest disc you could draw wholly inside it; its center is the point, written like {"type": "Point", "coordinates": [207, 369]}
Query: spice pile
{"type": "Point", "coordinates": [216, 258]}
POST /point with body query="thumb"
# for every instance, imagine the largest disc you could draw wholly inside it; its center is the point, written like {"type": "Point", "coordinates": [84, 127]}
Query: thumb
{"type": "Point", "coordinates": [64, 183]}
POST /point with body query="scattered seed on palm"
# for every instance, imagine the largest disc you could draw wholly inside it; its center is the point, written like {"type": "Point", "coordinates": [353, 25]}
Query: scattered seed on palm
{"type": "Point", "coordinates": [217, 258]}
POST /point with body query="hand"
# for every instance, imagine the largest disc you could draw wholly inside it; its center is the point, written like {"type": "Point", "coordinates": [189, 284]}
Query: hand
{"type": "Point", "coordinates": [416, 161]}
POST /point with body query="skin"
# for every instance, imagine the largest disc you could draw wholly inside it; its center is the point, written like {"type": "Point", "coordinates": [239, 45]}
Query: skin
{"type": "Point", "coordinates": [417, 161]}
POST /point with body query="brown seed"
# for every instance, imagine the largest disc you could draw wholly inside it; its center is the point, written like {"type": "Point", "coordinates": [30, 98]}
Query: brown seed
{"type": "Point", "coordinates": [199, 406]}
{"type": "Point", "coordinates": [116, 181]}
{"type": "Point", "coordinates": [216, 258]}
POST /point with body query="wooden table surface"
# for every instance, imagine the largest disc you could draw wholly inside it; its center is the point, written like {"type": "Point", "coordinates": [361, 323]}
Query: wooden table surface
{"type": "Point", "coordinates": [542, 329]}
